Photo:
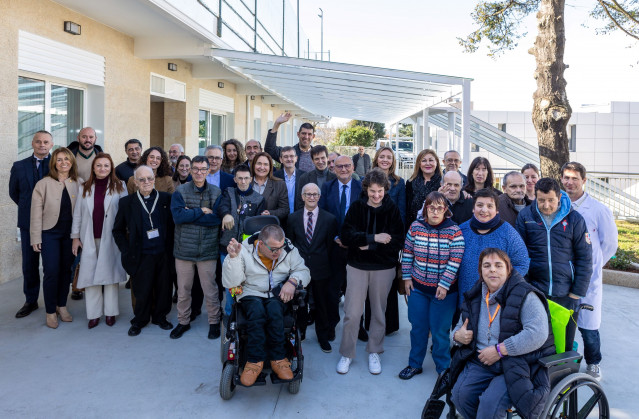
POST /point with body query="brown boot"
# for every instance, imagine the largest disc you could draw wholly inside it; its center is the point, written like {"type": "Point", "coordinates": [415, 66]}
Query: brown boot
{"type": "Point", "coordinates": [283, 369]}
{"type": "Point", "coordinates": [52, 320]}
{"type": "Point", "coordinates": [64, 314]}
{"type": "Point", "coordinates": [251, 372]}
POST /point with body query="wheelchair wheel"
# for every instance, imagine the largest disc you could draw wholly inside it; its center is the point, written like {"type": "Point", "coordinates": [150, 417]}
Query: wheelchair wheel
{"type": "Point", "coordinates": [227, 385]}
{"type": "Point", "coordinates": [294, 386]}
{"type": "Point", "coordinates": [563, 400]}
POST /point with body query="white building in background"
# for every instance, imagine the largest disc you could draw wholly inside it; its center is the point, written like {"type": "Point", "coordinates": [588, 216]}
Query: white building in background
{"type": "Point", "coordinates": [603, 138]}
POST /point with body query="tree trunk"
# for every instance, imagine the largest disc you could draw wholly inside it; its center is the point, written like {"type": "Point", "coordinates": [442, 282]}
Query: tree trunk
{"type": "Point", "coordinates": [551, 110]}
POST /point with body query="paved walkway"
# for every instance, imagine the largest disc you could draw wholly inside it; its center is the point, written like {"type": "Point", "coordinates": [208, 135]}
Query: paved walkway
{"type": "Point", "coordinates": [103, 373]}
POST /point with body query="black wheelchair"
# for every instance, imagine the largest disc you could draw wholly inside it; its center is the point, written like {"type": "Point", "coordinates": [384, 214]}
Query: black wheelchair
{"type": "Point", "coordinates": [566, 382]}
{"type": "Point", "coordinates": [234, 337]}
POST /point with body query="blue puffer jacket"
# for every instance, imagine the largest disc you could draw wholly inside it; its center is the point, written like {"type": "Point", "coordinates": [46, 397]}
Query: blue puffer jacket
{"type": "Point", "coordinates": [560, 254]}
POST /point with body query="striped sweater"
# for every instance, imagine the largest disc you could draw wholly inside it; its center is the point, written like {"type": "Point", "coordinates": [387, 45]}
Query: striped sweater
{"type": "Point", "coordinates": [432, 255]}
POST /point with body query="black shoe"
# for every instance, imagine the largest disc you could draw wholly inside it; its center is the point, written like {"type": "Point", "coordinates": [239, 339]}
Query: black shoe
{"type": "Point", "coordinates": [134, 330]}
{"type": "Point", "coordinates": [164, 324]}
{"type": "Point", "coordinates": [409, 372]}
{"type": "Point", "coordinates": [77, 295]}
{"type": "Point", "coordinates": [362, 335]}
{"type": "Point", "coordinates": [128, 284]}
{"type": "Point", "coordinates": [331, 336]}
{"type": "Point", "coordinates": [179, 330]}
{"type": "Point", "coordinates": [26, 309]}
{"type": "Point", "coordinates": [214, 331]}
{"type": "Point", "coordinates": [326, 347]}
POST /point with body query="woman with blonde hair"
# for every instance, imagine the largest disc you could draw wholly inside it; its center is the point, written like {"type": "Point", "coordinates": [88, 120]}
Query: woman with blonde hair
{"type": "Point", "coordinates": [52, 206]}
{"type": "Point", "coordinates": [425, 179]}
{"type": "Point", "coordinates": [101, 269]}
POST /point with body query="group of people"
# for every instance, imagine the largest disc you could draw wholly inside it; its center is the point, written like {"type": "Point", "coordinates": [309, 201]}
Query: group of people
{"type": "Point", "coordinates": [344, 228]}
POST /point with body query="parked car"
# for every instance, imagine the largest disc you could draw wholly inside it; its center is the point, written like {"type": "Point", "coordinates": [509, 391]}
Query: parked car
{"type": "Point", "coordinates": [406, 154]}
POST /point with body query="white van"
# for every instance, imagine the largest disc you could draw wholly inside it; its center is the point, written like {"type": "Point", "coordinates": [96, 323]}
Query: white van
{"type": "Point", "coordinates": [406, 149]}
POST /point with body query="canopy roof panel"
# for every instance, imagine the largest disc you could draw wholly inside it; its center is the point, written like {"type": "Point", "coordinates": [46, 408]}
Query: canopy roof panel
{"type": "Point", "coordinates": [328, 89]}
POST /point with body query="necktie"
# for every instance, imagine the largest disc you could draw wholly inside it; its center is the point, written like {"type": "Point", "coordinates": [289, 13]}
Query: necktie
{"type": "Point", "coordinates": [342, 204]}
{"type": "Point", "coordinates": [39, 169]}
{"type": "Point", "coordinates": [309, 227]}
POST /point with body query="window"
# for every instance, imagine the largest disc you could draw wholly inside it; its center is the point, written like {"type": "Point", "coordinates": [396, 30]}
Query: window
{"type": "Point", "coordinates": [257, 128]}
{"type": "Point", "coordinates": [474, 147]}
{"type": "Point", "coordinates": [501, 127]}
{"type": "Point", "coordinates": [43, 104]}
{"type": "Point", "coordinates": [572, 142]}
{"type": "Point", "coordinates": [211, 129]}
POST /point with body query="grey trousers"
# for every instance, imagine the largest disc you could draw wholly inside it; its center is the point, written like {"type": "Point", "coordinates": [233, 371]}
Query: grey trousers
{"type": "Point", "coordinates": [185, 272]}
{"type": "Point", "coordinates": [377, 285]}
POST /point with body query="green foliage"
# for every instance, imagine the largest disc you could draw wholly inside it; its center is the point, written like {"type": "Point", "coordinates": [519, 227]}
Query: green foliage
{"type": "Point", "coordinates": [378, 127]}
{"type": "Point", "coordinates": [202, 129]}
{"type": "Point", "coordinates": [356, 136]}
{"type": "Point", "coordinates": [619, 15]}
{"type": "Point", "coordinates": [406, 130]}
{"type": "Point", "coordinates": [622, 260]}
{"type": "Point", "coordinates": [628, 250]}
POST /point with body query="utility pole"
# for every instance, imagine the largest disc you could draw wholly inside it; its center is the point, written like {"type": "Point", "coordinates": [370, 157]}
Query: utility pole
{"type": "Point", "coordinates": [321, 16]}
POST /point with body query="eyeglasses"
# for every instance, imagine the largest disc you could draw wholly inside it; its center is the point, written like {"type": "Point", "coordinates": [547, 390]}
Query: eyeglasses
{"type": "Point", "coordinates": [435, 210]}
{"type": "Point", "coordinates": [146, 179]}
{"type": "Point", "coordinates": [311, 195]}
{"type": "Point", "coordinates": [277, 249]}
{"type": "Point", "coordinates": [202, 170]}
{"type": "Point", "coordinates": [343, 166]}
{"type": "Point", "coordinates": [453, 161]}
{"type": "Point", "coordinates": [214, 158]}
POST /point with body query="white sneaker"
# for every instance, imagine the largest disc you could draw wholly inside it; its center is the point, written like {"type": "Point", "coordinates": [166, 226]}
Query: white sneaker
{"type": "Point", "coordinates": [344, 364]}
{"type": "Point", "coordinates": [594, 370]}
{"type": "Point", "coordinates": [374, 364]}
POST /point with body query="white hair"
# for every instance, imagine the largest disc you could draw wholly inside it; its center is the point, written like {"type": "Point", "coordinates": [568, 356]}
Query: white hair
{"type": "Point", "coordinates": [137, 169]}
{"type": "Point", "coordinates": [310, 185]}
{"type": "Point", "coordinates": [179, 146]}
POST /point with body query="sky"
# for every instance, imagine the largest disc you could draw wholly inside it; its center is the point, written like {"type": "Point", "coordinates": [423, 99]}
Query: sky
{"type": "Point", "coordinates": [421, 35]}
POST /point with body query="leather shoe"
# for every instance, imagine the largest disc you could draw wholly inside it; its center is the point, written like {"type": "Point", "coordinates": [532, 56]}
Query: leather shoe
{"type": "Point", "coordinates": [214, 331]}
{"type": "Point", "coordinates": [134, 330]}
{"type": "Point", "coordinates": [251, 371]}
{"type": "Point", "coordinates": [26, 309]}
{"type": "Point", "coordinates": [282, 369]}
{"type": "Point", "coordinates": [77, 295]}
{"type": "Point", "coordinates": [52, 320]}
{"type": "Point", "coordinates": [326, 347]}
{"type": "Point", "coordinates": [409, 372]}
{"type": "Point", "coordinates": [64, 314]}
{"type": "Point", "coordinates": [164, 324]}
{"type": "Point", "coordinates": [94, 322]}
{"type": "Point", "coordinates": [179, 331]}
{"type": "Point", "coordinates": [110, 320]}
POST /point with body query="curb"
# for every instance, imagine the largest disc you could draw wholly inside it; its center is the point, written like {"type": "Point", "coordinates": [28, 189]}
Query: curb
{"type": "Point", "coordinates": [622, 279]}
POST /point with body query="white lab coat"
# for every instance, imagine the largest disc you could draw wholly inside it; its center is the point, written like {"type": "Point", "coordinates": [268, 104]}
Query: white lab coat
{"type": "Point", "coordinates": [603, 235]}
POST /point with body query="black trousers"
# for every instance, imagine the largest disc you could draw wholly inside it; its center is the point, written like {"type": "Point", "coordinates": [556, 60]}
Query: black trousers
{"type": "Point", "coordinates": [30, 268]}
{"type": "Point", "coordinates": [392, 311]}
{"type": "Point", "coordinates": [56, 262]}
{"type": "Point", "coordinates": [265, 328]}
{"type": "Point", "coordinates": [326, 309]}
{"type": "Point", "coordinates": [152, 289]}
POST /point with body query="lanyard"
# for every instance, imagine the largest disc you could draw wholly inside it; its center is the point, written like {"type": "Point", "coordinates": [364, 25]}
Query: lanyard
{"type": "Point", "coordinates": [146, 209]}
{"type": "Point", "coordinates": [490, 319]}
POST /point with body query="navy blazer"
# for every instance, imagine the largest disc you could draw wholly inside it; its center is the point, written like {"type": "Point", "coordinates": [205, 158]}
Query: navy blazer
{"type": "Point", "coordinates": [21, 183]}
{"type": "Point", "coordinates": [226, 181]}
{"type": "Point", "coordinates": [330, 197]}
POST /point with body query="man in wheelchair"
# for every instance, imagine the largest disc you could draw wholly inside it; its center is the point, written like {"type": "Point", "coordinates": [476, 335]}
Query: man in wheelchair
{"type": "Point", "coordinates": [504, 330]}
{"type": "Point", "coordinates": [269, 269]}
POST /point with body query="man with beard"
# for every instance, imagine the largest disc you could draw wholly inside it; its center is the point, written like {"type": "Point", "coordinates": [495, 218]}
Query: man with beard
{"type": "Point", "coordinates": [84, 150]}
{"type": "Point", "coordinates": [175, 151]}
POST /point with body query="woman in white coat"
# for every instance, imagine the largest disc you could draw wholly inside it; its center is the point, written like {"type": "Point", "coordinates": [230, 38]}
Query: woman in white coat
{"type": "Point", "coordinates": [101, 268]}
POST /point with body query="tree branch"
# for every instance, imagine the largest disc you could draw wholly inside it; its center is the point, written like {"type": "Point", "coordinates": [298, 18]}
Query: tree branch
{"type": "Point", "coordinates": [605, 6]}
{"type": "Point", "coordinates": [623, 11]}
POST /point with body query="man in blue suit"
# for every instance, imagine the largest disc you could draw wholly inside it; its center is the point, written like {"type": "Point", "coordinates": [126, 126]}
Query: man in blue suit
{"type": "Point", "coordinates": [336, 198]}
{"type": "Point", "coordinates": [24, 175]}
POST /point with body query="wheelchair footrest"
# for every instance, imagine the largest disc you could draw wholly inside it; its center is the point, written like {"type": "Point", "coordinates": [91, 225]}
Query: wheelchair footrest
{"type": "Point", "coordinates": [277, 380]}
{"type": "Point", "coordinates": [569, 356]}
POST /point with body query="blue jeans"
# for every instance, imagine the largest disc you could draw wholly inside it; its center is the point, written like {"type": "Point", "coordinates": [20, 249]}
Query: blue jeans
{"type": "Point", "coordinates": [481, 392]}
{"type": "Point", "coordinates": [592, 345]}
{"type": "Point", "coordinates": [428, 314]}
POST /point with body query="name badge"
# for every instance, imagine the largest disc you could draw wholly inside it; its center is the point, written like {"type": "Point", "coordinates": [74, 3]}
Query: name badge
{"type": "Point", "coordinates": [153, 234]}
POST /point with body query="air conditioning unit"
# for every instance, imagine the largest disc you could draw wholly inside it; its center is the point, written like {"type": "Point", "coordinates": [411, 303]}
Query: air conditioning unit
{"type": "Point", "coordinates": [168, 88]}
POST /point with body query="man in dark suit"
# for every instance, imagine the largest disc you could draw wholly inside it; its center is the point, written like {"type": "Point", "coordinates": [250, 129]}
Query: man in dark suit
{"type": "Point", "coordinates": [313, 230]}
{"type": "Point", "coordinates": [143, 231]}
{"type": "Point", "coordinates": [290, 174]}
{"type": "Point", "coordinates": [336, 198]}
{"type": "Point", "coordinates": [24, 175]}
{"type": "Point", "coordinates": [318, 176]}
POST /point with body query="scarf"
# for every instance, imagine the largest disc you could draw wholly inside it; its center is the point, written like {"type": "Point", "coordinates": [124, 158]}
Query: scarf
{"type": "Point", "coordinates": [478, 225]}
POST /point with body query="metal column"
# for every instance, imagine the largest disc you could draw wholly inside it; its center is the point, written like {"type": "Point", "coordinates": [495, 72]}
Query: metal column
{"type": "Point", "coordinates": [465, 125]}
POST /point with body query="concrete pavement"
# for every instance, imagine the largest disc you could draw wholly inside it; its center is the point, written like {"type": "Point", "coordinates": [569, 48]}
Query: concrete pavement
{"type": "Point", "coordinates": [99, 373]}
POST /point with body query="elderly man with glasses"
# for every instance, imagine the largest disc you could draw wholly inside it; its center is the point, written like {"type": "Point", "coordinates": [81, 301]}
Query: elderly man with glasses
{"type": "Point", "coordinates": [269, 269]}
{"type": "Point", "coordinates": [143, 231]}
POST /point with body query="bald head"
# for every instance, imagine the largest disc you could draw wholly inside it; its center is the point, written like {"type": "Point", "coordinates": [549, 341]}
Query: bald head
{"type": "Point", "coordinates": [87, 138]}
{"type": "Point", "coordinates": [451, 186]}
{"type": "Point", "coordinates": [344, 168]}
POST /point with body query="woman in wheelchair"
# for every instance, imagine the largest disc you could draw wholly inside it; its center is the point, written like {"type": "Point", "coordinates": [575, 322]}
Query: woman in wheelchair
{"type": "Point", "coordinates": [260, 268]}
{"type": "Point", "coordinates": [504, 329]}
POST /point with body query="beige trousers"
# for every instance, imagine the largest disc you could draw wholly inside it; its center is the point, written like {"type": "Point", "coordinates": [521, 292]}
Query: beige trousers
{"type": "Point", "coordinates": [101, 302]}
{"type": "Point", "coordinates": [185, 272]}
{"type": "Point", "coordinates": [359, 283]}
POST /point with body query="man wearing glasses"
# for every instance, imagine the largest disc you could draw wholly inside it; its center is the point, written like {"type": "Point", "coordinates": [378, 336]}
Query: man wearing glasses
{"type": "Point", "coordinates": [312, 230]}
{"type": "Point", "coordinates": [216, 176]}
{"type": "Point", "coordinates": [452, 162]}
{"type": "Point", "coordinates": [194, 208]}
{"type": "Point", "coordinates": [143, 231]}
{"type": "Point", "coordinates": [269, 269]}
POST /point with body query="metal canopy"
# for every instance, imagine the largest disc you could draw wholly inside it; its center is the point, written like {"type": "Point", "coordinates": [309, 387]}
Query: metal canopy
{"type": "Point", "coordinates": [328, 89]}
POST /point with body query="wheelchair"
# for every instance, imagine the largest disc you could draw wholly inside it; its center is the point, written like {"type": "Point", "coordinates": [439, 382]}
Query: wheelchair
{"type": "Point", "coordinates": [233, 343]}
{"type": "Point", "coordinates": [566, 382]}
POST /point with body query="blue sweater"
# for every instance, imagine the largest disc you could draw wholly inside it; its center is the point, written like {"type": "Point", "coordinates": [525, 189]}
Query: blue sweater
{"type": "Point", "coordinates": [503, 237]}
